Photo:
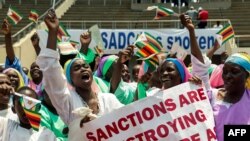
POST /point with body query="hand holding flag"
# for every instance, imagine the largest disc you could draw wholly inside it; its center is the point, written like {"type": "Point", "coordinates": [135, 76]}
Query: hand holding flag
{"type": "Point", "coordinates": [31, 107]}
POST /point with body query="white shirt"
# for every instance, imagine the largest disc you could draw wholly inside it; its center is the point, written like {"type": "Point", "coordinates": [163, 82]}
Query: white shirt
{"type": "Point", "coordinates": [11, 131]}
{"type": "Point", "coordinates": [63, 98]}
{"type": "Point", "coordinates": [7, 113]}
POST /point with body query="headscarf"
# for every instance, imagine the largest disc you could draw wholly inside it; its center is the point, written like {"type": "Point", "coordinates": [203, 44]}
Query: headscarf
{"type": "Point", "coordinates": [21, 81]}
{"type": "Point", "coordinates": [182, 69]}
{"type": "Point", "coordinates": [67, 67]}
{"type": "Point", "coordinates": [89, 57]}
{"type": "Point", "coordinates": [104, 65]}
{"type": "Point", "coordinates": [243, 60]}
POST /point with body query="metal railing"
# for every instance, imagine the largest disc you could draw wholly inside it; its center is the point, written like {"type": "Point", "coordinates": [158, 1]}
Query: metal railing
{"type": "Point", "coordinates": [21, 33]}
{"type": "Point", "coordinates": [135, 24]}
{"type": "Point", "coordinates": [104, 2]}
{"type": "Point", "coordinates": [20, 1]}
{"type": "Point", "coordinates": [240, 38]}
{"type": "Point", "coordinates": [172, 1]}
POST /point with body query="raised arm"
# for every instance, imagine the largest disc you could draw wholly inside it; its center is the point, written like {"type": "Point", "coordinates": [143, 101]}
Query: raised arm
{"type": "Point", "coordinates": [212, 50]}
{"type": "Point", "coordinates": [200, 65]}
{"type": "Point", "coordinates": [35, 42]}
{"type": "Point", "coordinates": [54, 80]}
{"type": "Point", "coordinates": [53, 24]}
{"type": "Point", "coordinates": [117, 72]}
{"type": "Point", "coordinates": [85, 39]}
{"type": "Point", "coordinates": [6, 29]}
{"type": "Point", "coordinates": [195, 50]}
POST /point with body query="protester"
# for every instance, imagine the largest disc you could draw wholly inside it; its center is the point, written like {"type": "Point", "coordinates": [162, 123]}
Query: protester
{"type": "Point", "coordinates": [66, 99]}
{"type": "Point", "coordinates": [135, 72]}
{"type": "Point", "coordinates": [5, 88]}
{"type": "Point", "coordinates": [51, 120]}
{"type": "Point", "coordinates": [85, 52]}
{"type": "Point", "coordinates": [125, 73]}
{"type": "Point", "coordinates": [12, 61]}
{"type": "Point", "coordinates": [22, 131]}
{"type": "Point", "coordinates": [110, 71]}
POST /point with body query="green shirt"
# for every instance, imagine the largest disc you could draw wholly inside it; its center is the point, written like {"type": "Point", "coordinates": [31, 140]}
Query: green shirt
{"type": "Point", "coordinates": [53, 122]}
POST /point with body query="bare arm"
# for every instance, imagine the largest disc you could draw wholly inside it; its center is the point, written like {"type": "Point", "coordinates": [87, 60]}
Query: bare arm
{"type": "Point", "coordinates": [52, 23]}
{"type": "Point", "coordinates": [117, 75]}
{"type": "Point", "coordinates": [212, 50]}
{"type": "Point", "coordinates": [195, 50]}
{"type": "Point", "coordinates": [85, 39]}
{"type": "Point", "coordinates": [6, 29]}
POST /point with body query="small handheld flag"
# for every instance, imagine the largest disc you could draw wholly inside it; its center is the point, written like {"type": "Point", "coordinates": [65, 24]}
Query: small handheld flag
{"type": "Point", "coordinates": [62, 32]}
{"type": "Point", "coordinates": [31, 107]}
{"type": "Point", "coordinates": [148, 47]}
{"type": "Point", "coordinates": [225, 34]}
{"type": "Point", "coordinates": [33, 16]}
{"type": "Point", "coordinates": [14, 16]}
{"type": "Point", "coordinates": [162, 11]}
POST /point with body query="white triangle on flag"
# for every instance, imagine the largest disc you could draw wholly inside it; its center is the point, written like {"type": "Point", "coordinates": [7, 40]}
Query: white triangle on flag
{"type": "Point", "coordinates": [9, 13]}
{"type": "Point", "coordinates": [30, 102]}
{"type": "Point", "coordinates": [180, 52]}
{"type": "Point", "coordinates": [219, 39]}
{"type": "Point", "coordinates": [152, 8]}
{"type": "Point", "coordinates": [141, 38]}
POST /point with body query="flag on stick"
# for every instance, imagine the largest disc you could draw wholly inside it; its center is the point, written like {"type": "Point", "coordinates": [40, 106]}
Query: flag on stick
{"type": "Point", "coordinates": [162, 11]}
{"type": "Point", "coordinates": [31, 107]}
{"type": "Point", "coordinates": [14, 16]}
{"type": "Point", "coordinates": [62, 32]}
{"type": "Point", "coordinates": [33, 16]}
{"type": "Point", "coordinates": [148, 47]}
{"type": "Point", "coordinates": [225, 34]}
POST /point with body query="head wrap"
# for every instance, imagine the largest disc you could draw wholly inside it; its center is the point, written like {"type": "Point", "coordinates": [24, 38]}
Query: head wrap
{"type": "Point", "coordinates": [89, 57]}
{"type": "Point", "coordinates": [243, 60]}
{"type": "Point", "coordinates": [182, 69]}
{"type": "Point", "coordinates": [67, 67]}
{"type": "Point", "coordinates": [21, 81]}
{"type": "Point", "coordinates": [104, 65]}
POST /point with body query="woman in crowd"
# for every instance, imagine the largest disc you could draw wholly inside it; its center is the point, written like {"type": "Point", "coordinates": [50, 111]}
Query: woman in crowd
{"type": "Point", "coordinates": [78, 73]}
{"type": "Point", "coordinates": [11, 130]}
{"type": "Point", "coordinates": [230, 103]}
{"type": "Point", "coordinates": [13, 62]}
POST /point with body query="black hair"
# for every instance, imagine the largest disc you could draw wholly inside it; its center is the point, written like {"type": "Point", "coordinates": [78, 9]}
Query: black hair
{"type": "Point", "coordinates": [20, 90]}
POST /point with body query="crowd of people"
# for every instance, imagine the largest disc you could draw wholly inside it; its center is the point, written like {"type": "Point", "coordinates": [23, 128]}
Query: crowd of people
{"type": "Point", "coordinates": [65, 83]}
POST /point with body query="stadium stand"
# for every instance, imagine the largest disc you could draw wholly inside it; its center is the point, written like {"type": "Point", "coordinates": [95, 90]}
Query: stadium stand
{"type": "Point", "coordinates": [23, 7]}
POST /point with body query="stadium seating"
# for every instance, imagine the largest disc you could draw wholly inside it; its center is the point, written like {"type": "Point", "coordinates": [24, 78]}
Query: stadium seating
{"type": "Point", "coordinates": [23, 9]}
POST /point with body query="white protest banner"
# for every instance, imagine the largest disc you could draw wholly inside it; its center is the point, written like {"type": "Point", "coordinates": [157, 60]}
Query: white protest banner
{"type": "Point", "coordinates": [181, 113]}
{"type": "Point", "coordinates": [114, 40]}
